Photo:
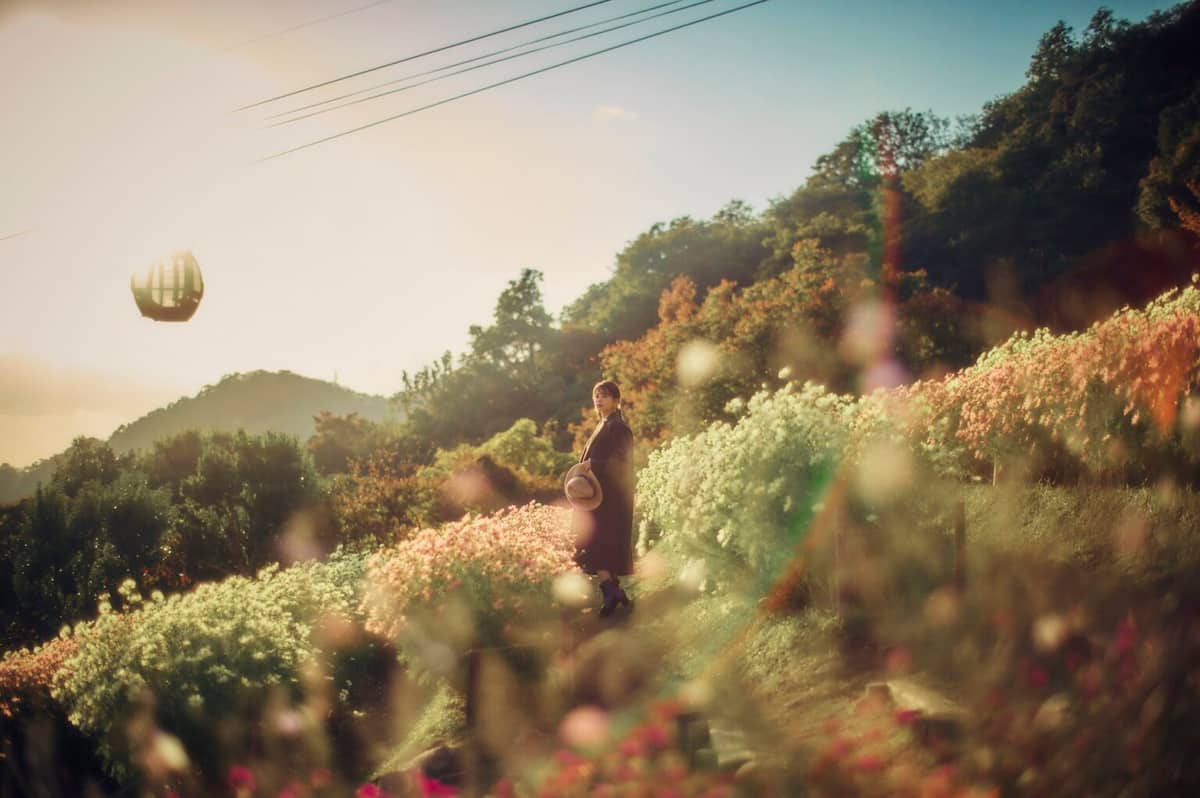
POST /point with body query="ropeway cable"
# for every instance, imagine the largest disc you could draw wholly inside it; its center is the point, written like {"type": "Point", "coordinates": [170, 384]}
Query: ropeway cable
{"type": "Point", "coordinates": [302, 25]}
{"type": "Point", "coordinates": [473, 68]}
{"type": "Point", "coordinates": [501, 51]}
{"type": "Point", "coordinates": [507, 81]}
{"type": "Point", "coordinates": [422, 55]}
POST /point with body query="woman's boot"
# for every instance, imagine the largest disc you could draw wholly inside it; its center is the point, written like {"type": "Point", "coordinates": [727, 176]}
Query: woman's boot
{"type": "Point", "coordinates": [613, 596]}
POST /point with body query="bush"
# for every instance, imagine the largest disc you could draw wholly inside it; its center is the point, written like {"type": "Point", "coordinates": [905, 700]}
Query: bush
{"type": "Point", "coordinates": [199, 653]}
{"type": "Point", "coordinates": [25, 674]}
{"type": "Point", "coordinates": [521, 448]}
{"type": "Point", "coordinates": [490, 566]}
{"type": "Point", "coordinates": [739, 496]}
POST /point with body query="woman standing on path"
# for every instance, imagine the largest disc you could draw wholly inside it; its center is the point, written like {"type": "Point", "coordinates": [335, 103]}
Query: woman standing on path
{"type": "Point", "coordinates": [604, 535]}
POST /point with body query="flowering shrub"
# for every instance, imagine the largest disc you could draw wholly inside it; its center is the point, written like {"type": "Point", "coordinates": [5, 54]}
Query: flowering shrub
{"type": "Point", "coordinates": [385, 496]}
{"type": "Point", "coordinates": [25, 674]}
{"type": "Point", "coordinates": [1039, 390]}
{"type": "Point", "coordinates": [646, 760]}
{"type": "Point", "coordinates": [490, 564]}
{"type": "Point", "coordinates": [732, 492]}
{"type": "Point", "coordinates": [1076, 681]}
{"type": "Point", "coordinates": [197, 652]}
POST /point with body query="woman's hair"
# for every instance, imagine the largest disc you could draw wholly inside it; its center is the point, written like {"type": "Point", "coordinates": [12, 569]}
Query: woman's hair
{"type": "Point", "coordinates": [609, 387]}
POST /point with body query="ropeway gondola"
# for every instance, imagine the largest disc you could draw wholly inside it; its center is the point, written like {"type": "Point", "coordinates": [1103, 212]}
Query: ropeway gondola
{"type": "Point", "coordinates": [170, 290]}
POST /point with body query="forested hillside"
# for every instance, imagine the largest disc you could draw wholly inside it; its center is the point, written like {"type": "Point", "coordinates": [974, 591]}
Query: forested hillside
{"type": "Point", "coordinates": [256, 402]}
{"type": "Point", "coordinates": [1054, 205]}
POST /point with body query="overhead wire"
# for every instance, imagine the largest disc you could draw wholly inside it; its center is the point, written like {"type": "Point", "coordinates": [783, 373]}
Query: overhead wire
{"type": "Point", "coordinates": [302, 25]}
{"type": "Point", "coordinates": [477, 66]}
{"type": "Point", "coordinates": [514, 79]}
{"type": "Point", "coordinates": [538, 40]}
{"type": "Point", "coordinates": [443, 48]}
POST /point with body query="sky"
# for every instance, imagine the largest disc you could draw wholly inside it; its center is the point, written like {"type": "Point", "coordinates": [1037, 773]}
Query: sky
{"type": "Point", "coordinates": [371, 254]}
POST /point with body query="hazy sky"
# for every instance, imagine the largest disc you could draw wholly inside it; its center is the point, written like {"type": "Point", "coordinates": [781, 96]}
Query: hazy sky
{"type": "Point", "coordinates": [373, 253]}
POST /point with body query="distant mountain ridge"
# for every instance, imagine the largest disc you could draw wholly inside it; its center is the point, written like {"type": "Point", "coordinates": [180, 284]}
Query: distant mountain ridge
{"type": "Point", "coordinates": [257, 401]}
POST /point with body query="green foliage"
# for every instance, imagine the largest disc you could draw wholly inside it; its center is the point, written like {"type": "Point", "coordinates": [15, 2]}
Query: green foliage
{"type": "Point", "coordinates": [839, 206]}
{"type": "Point", "coordinates": [87, 460]}
{"type": "Point", "coordinates": [383, 496]}
{"type": "Point", "coordinates": [520, 331]}
{"type": "Point", "coordinates": [196, 507]}
{"type": "Point", "coordinates": [739, 340]}
{"type": "Point", "coordinates": [69, 548]}
{"type": "Point", "coordinates": [520, 366]}
{"type": "Point", "coordinates": [739, 496]}
{"type": "Point", "coordinates": [521, 447]}
{"type": "Point", "coordinates": [235, 500]}
{"type": "Point", "coordinates": [40, 554]}
{"type": "Point", "coordinates": [1136, 528]}
{"type": "Point", "coordinates": [1175, 165]}
{"type": "Point", "coordinates": [1054, 170]}
{"type": "Point", "coordinates": [200, 653]}
{"type": "Point", "coordinates": [338, 439]}
{"type": "Point", "coordinates": [729, 246]}
{"type": "Point", "coordinates": [442, 719]}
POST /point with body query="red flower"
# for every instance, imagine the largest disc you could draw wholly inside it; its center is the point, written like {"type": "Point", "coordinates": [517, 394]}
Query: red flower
{"type": "Point", "coordinates": [631, 748]}
{"type": "Point", "coordinates": [656, 737]}
{"type": "Point", "coordinates": [869, 763]}
{"type": "Point", "coordinates": [241, 778]}
{"type": "Point", "coordinates": [1037, 677]}
{"type": "Point", "coordinates": [1126, 636]}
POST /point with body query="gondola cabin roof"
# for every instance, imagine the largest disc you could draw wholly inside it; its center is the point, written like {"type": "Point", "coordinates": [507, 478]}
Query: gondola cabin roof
{"type": "Point", "coordinates": [170, 290]}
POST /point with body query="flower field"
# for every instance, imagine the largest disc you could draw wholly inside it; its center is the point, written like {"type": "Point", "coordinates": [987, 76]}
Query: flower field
{"type": "Point", "coordinates": [814, 528]}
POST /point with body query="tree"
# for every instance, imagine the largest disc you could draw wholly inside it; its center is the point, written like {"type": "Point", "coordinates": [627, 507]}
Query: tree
{"type": "Point", "coordinates": [337, 439]}
{"type": "Point", "coordinates": [843, 206]}
{"type": "Point", "coordinates": [729, 246]}
{"type": "Point", "coordinates": [521, 328]}
{"type": "Point", "coordinates": [1054, 52]}
{"type": "Point", "coordinates": [41, 554]}
{"type": "Point", "coordinates": [86, 460]}
{"type": "Point", "coordinates": [1164, 188]}
{"type": "Point", "coordinates": [1188, 218]}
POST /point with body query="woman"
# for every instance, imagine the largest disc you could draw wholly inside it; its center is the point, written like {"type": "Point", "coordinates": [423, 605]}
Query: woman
{"type": "Point", "coordinates": [604, 536]}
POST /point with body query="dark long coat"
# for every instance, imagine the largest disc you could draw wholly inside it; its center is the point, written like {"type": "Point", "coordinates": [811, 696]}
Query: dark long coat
{"type": "Point", "coordinates": [604, 536]}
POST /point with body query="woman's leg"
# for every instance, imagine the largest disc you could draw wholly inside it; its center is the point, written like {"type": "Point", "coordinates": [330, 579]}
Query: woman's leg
{"type": "Point", "coordinates": [611, 593]}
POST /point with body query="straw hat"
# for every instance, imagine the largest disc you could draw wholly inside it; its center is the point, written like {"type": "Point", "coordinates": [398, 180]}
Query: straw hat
{"type": "Point", "coordinates": [582, 488]}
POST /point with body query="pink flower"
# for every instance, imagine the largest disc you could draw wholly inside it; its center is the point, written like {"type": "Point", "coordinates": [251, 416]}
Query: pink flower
{"type": "Point", "coordinates": [567, 758]}
{"type": "Point", "coordinates": [656, 737]}
{"type": "Point", "coordinates": [1126, 636]}
{"type": "Point", "coordinates": [432, 788]}
{"type": "Point", "coordinates": [869, 763]}
{"type": "Point", "coordinates": [241, 778]}
{"type": "Point", "coordinates": [368, 791]}
{"type": "Point", "coordinates": [631, 748]}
